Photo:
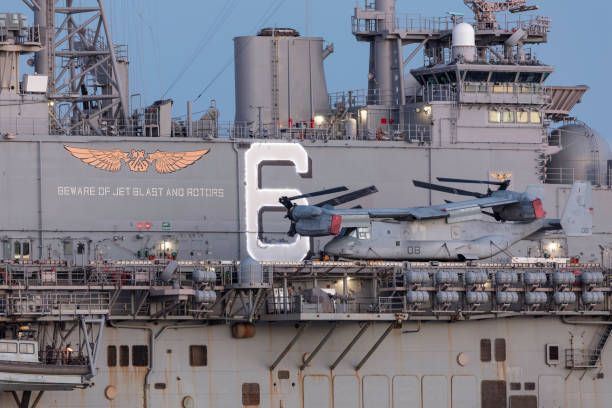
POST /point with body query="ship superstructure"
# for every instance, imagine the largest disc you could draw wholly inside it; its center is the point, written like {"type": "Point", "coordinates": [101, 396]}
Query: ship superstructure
{"type": "Point", "coordinates": [145, 259]}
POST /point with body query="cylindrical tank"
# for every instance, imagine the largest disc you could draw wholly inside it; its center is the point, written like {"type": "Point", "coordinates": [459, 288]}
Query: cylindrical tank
{"type": "Point", "coordinates": [506, 278]}
{"type": "Point", "coordinates": [585, 156]}
{"type": "Point", "coordinates": [243, 330]}
{"type": "Point", "coordinates": [563, 298]}
{"type": "Point", "coordinates": [534, 278]}
{"type": "Point", "coordinates": [506, 298]}
{"type": "Point", "coordinates": [205, 296]}
{"type": "Point", "coordinates": [300, 89]}
{"type": "Point", "coordinates": [350, 128]}
{"type": "Point", "coordinates": [535, 298]}
{"type": "Point", "coordinates": [417, 277]}
{"type": "Point", "coordinates": [384, 49]}
{"type": "Point", "coordinates": [41, 58]}
{"type": "Point", "coordinates": [564, 278]}
{"type": "Point", "coordinates": [417, 296]}
{"type": "Point", "coordinates": [446, 277]}
{"type": "Point", "coordinates": [205, 276]}
{"type": "Point", "coordinates": [250, 272]}
{"type": "Point", "coordinates": [591, 278]}
{"type": "Point", "coordinates": [476, 297]}
{"type": "Point", "coordinates": [447, 296]}
{"type": "Point", "coordinates": [476, 278]}
{"type": "Point", "coordinates": [591, 298]}
{"type": "Point", "coordinates": [464, 42]}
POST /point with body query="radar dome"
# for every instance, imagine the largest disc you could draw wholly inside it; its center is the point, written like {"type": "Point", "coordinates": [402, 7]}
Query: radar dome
{"type": "Point", "coordinates": [464, 42]}
{"type": "Point", "coordinates": [586, 155]}
{"type": "Point", "coordinates": [464, 35]}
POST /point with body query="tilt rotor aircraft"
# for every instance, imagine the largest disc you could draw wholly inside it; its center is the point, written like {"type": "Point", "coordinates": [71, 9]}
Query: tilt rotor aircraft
{"type": "Point", "coordinates": [453, 231]}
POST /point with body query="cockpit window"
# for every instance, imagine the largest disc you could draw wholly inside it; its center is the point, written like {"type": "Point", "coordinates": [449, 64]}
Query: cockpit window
{"type": "Point", "coordinates": [353, 234]}
{"type": "Point", "coordinates": [364, 232]}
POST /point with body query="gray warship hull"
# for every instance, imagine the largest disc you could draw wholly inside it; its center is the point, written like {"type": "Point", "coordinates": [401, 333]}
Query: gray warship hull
{"type": "Point", "coordinates": [201, 211]}
{"type": "Point", "coordinates": [409, 369]}
{"type": "Point", "coordinates": [150, 256]}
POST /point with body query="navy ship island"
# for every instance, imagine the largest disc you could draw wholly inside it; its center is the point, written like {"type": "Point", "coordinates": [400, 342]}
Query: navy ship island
{"type": "Point", "coordinates": [447, 240]}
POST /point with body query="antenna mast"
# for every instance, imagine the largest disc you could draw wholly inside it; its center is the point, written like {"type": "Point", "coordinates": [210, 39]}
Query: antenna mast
{"type": "Point", "coordinates": [88, 74]}
{"type": "Point", "coordinates": [484, 11]}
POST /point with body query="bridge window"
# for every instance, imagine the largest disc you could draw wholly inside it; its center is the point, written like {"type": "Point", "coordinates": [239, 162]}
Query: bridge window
{"type": "Point", "coordinates": [8, 347]}
{"type": "Point", "coordinates": [530, 77]}
{"type": "Point", "coordinates": [508, 117]}
{"type": "Point", "coordinates": [522, 117]}
{"type": "Point", "coordinates": [503, 89]}
{"type": "Point", "coordinates": [442, 79]}
{"type": "Point", "coordinates": [17, 249]}
{"type": "Point", "coordinates": [477, 76]}
{"type": "Point", "coordinates": [535, 117]}
{"type": "Point", "coordinates": [494, 116]}
{"type": "Point", "coordinates": [503, 76]}
{"type": "Point", "coordinates": [430, 79]}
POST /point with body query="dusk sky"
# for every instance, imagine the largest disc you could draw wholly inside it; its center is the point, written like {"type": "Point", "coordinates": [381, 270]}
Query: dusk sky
{"type": "Point", "coordinates": [183, 48]}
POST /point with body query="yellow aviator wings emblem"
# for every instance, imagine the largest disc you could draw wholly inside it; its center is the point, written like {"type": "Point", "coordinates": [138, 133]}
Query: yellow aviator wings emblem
{"type": "Point", "coordinates": [137, 160]}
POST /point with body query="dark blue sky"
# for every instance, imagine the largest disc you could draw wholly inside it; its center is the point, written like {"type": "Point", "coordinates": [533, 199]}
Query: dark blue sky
{"type": "Point", "coordinates": [185, 46]}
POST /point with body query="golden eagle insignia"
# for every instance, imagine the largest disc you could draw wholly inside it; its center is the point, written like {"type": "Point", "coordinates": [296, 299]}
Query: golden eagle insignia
{"type": "Point", "coordinates": [501, 177]}
{"type": "Point", "coordinates": [137, 160]}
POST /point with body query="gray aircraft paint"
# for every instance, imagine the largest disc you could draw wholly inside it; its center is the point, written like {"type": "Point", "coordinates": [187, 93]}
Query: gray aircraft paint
{"type": "Point", "coordinates": [417, 369]}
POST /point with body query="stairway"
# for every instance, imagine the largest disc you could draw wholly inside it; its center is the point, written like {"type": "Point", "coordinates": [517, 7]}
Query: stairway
{"type": "Point", "coordinates": [603, 335]}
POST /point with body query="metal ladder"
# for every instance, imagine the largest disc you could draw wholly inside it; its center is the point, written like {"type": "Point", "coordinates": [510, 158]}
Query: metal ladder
{"type": "Point", "coordinates": [604, 335]}
{"type": "Point", "coordinates": [275, 84]}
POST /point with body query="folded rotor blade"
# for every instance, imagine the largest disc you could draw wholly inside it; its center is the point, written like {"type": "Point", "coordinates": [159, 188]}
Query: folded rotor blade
{"type": "Point", "coordinates": [445, 189]}
{"type": "Point", "coordinates": [503, 185]}
{"type": "Point", "coordinates": [319, 193]}
{"type": "Point", "coordinates": [355, 195]}
{"type": "Point", "coordinates": [456, 180]}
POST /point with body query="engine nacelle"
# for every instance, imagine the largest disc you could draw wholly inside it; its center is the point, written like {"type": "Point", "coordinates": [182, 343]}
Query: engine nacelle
{"type": "Point", "coordinates": [521, 211]}
{"type": "Point", "coordinates": [323, 225]}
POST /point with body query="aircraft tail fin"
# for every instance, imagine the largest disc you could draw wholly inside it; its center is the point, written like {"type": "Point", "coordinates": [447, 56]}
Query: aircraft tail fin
{"type": "Point", "coordinates": [577, 218]}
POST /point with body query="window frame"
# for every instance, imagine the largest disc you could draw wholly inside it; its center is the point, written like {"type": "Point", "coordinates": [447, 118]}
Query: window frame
{"type": "Point", "coordinates": [192, 354]}
{"type": "Point", "coordinates": [140, 355]}
{"type": "Point", "coordinates": [124, 355]}
{"type": "Point", "coordinates": [496, 112]}
{"type": "Point", "coordinates": [510, 114]}
{"type": "Point", "coordinates": [111, 356]}
{"type": "Point", "coordinates": [533, 114]}
{"type": "Point", "coordinates": [26, 346]}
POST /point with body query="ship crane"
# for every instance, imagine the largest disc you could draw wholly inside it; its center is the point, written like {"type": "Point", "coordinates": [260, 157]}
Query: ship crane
{"type": "Point", "coordinates": [484, 11]}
